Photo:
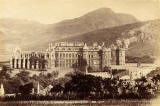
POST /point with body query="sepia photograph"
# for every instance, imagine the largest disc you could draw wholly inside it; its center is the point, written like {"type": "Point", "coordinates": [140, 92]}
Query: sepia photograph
{"type": "Point", "coordinates": [79, 52]}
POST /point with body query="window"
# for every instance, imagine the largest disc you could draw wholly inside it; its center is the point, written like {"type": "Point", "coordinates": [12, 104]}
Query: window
{"type": "Point", "coordinates": [95, 62]}
{"type": "Point", "coordinates": [48, 55]}
{"type": "Point", "coordinates": [60, 55]}
{"type": "Point", "coordinates": [52, 54]}
{"type": "Point", "coordinates": [92, 56]}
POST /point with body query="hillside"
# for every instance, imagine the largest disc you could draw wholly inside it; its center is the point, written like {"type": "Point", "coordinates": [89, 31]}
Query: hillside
{"type": "Point", "coordinates": [98, 19]}
{"type": "Point", "coordinates": [32, 35]}
{"type": "Point", "coordinates": [21, 33]}
{"type": "Point", "coordinates": [143, 37]}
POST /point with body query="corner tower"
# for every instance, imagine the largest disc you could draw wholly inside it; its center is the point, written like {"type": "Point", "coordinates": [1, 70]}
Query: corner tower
{"type": "Point", "coordinates": [106, 57]}
{"type": "Point", "coordinates": [117, 55]}
{"type": "Point", "coordinates": [121, 56]}
{"type": "Point", "coordinates": [85, 55]}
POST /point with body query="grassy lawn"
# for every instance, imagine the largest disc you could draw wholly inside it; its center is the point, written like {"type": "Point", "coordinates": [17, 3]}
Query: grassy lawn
{"type": "Point", "coordinates": [79, 103]}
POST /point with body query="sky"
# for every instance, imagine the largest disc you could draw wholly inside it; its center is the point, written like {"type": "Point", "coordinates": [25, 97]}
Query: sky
{"type": "Point", "coordinates": [52, 11]}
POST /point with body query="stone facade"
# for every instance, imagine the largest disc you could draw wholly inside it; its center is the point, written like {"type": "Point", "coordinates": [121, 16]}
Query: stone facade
{"type": "Point", "coordinates": [24, 60]}
{"type": "Point", "coordinates": [70, 54]}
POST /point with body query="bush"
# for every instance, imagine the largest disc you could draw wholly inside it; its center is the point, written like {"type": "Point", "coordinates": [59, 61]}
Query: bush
{"type": "Point", "coordinates": [84, 87]}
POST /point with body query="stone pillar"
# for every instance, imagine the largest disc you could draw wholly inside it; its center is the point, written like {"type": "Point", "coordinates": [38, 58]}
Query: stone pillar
{"type": "Point", "coordinates": [11, 63]}
{"type": "Point", "coordinates": [28, 63]}
{"type": "Point", "coordinates": [45, 57]}
{"type": "Point", "coordinates": [32, 66]}
{"type": "Point", "coordinates": [37, 64]}
{"type": "Point", "coordinates": [33, 91]}
{"type": "Point", "coordinates": [64, 62]}
{"type": "Point", "coordinates": [15, 63]}
{"type": "Point", "coordinates": [24, 62]}
{"type": "Point", "coordinates": [19, 63]}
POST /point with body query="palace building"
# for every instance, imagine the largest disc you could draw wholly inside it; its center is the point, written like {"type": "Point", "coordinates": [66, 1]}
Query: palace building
{"type": "Point", "coordinates": [69, 54]}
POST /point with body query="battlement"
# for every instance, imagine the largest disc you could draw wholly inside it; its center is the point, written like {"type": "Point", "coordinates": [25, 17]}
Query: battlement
{"type": "Point", "coordinates": [72, 44]}
{"type": "Point", "coordinates": [61, 44]}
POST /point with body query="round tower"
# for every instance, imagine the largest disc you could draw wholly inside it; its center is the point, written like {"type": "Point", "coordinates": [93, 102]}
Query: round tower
{"type": "Point", "coordinates": [85, 56]}
{"type": "Point", "coordinates": [106, 57]}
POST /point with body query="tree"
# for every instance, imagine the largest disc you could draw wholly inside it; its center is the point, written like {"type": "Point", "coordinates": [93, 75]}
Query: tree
{"type": "Point", "coordinates": [3, 74]}
{"type": "Point", "coordinates": [24, 76]}
{"type": "Point", "coordinates": [107, 69]}
{"type": "Point", "coordinates": [83, 66]}
{"type": "Point", "coordinates": [57, 88]}
{"type": "Point", "coordinates": [12, 85]}
{"type": "Point", "coordinates": [41, 61]}
{"type": "Point", "coordinates": [33, 59]}
{"type": "Point", "coordinates": [26, 89]}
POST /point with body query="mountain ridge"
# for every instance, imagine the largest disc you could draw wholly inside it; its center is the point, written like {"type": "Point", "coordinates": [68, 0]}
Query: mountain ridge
{"type": "Point", "coordinates": [32, 35]}
{"type": "Point", "coordinates": [143, 37]}
{"type": "Point", "coordinates": [97, 19]}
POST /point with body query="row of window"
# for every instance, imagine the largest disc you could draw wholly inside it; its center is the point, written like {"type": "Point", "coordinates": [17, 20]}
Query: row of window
{"type": "Point", "coordinates": [72, 55]}
{"type": "Point", "coordinates": [30, 55]}
{"type": "Point", "coordinates": [68, 63]}
{"type": "Point", "coordinates": [69, 49]}
{"type": "Point", "coordinates": [68, 55]}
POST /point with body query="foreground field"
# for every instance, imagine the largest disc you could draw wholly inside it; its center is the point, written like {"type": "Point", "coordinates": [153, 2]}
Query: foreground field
{"type": "Point", "coordinates": [80, 103]}
{"type": "Point", "coordinates": [109, 102]}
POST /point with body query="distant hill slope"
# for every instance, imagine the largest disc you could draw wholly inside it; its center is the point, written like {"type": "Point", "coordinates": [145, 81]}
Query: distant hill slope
{"type": "Point", "coordinates": [30, 35]}
{"type": "Point", "coordinates": [98, 19]}
{"type": "Point", "coordinates": [143, 37]}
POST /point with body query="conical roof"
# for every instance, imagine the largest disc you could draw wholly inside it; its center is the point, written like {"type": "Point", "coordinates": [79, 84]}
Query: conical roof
{"type": "Point", "coordinates": [85, 46]}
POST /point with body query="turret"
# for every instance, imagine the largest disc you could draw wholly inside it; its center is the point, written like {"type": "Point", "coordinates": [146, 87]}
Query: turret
{"type": "Point", "coordinates": [106, 57]}
{"type": "Point", "coordinates": [52, 57]}
{"type": "Point", "coordinates": [85, 55]}
{"type": "Point", "coordinates": [118, 56]}
{"type": "Point", "coordinates": [121, 56]}
{"type": "Point", "coordinates": [49, 46]}
{"type": "Point", "coordinates": [114, 55]}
